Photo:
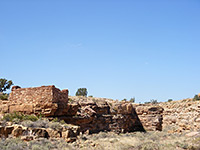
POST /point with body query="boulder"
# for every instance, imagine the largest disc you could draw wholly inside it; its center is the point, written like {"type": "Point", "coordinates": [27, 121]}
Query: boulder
{"type": "Point", "coordinates": [40, 133]}
{"type": "Point", "coordinates": [17, 131]}
{"type": "Point", "coordinates": [8, 130]}
{"type": "Point", "coordinates": [53, 133]}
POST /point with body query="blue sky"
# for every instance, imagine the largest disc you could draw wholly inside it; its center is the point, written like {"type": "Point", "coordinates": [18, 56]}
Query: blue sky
{"type": "Point", "coordinates": [115, 48]}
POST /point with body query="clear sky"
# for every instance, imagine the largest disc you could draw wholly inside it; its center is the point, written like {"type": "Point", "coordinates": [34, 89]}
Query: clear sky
{"type": "Point", "coordinates": [147, 49]}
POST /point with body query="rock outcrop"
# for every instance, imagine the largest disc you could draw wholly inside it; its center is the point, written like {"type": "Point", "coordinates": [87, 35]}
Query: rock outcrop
{"type": "Point", "coordinates": [90, 114]}
{"type": "Point", "coordinates": [68, 133]}
{"type": "Point", "coordinates": [96, 115]}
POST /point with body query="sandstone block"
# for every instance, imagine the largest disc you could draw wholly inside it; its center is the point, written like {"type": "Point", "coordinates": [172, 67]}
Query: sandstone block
{"type": "Point", "coordinates": [53, 133]}
{"type": "Point", "coordinates": [40, 133]}
{"type": "Point", "coordinates": [17, 131]}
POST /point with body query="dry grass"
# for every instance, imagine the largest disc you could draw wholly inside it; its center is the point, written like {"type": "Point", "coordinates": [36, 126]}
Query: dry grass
{"type": "Point", "coordinates": [111, 141]}
{"type": "Point", "coordinates": [139, 141]}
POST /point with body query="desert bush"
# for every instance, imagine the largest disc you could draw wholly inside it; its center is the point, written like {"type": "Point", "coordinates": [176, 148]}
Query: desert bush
{"type": "Point", "coordinates": [12, 144]}
{"type": "Point", "coordinates": [55, 126]}
{"type": "Point", "coordinates": [41, 123]}
{"type": "Point", "coordinates": [132, 100]}
{"type": "Point", "coordinates": [70, 100]}
{"type": "Point", "coordinates": [58, 120]}
{"type": "Point", "coordinates": [196, 98]}
{"type": "Point", "coordinates": [55, 120]}
{"type": "Point", "coordinates": [45, 144]}
{"type": "Point", "coordinates": [5, 84]}
{"type": "Point", "coordinates": [19, 116]}
{"type": "Point", "coordinates": [82, 92]}
{"type": "Point", "coordinates": [16, 120]}
{"type": "Point", "coordinates": [124, 100]}
{"type": "Point", "coordinates": [62, 122]}
{"type": "Point", "coordinates": [148, 146]}
{"type": "Point", "coordinates": [152, 140]}
{"type": "Point", "coordinates": [39, 144]}
{"type": "Point", "coordinates": [170, 100]}
{"type": "Point", "coordinates": [153, 101]}
{"type": "Point", "coordinates": [4, 96]}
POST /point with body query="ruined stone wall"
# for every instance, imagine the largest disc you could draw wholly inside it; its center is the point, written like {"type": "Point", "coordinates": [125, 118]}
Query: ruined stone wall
{"type": "Point", "coordinates": [151, 116]}
{"type": "Point", "coordinates": [45, 100]}
{"type": "Point", "coordinates": [38, 95]}
{"type": "Point", "coordinates": [183, 115]}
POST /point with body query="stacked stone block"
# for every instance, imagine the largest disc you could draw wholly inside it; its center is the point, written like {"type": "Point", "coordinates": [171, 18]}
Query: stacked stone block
{"type": "Point", "coordinates": [38, 100]}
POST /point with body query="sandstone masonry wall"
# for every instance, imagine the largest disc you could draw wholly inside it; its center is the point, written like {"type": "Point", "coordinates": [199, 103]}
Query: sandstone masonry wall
{"type": "Point", "coordinates": [45, 100]}
{"type": "Point", "coordinates": [38, 95]}
{"type": "Point", "coordinates": [151, 117]}
{"type": "Point", "coordinates": [183, 115]}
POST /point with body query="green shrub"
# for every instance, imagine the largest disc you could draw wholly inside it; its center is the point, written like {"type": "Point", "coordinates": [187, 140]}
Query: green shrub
{"type": "Point", "coordinates": [82, 92]}
{"type": "Point", "coordinates": [196, 98]}
{"type": "Point", "coordinates": [170, 100]}
{"type": "Point", "coordinates": [55, 120]}
{"type": "Point", "coordinates": [4, 96]}
{"type": "Point", "coordinates": [5, 84]}
{"type": "Point", "coordinates": [62, 122]}
{"type": "Point", "coordinates": [40, 116]}
{"type": "Point", "coordinates": [41, 123]}
{"type": "Point", "coordinates": [19, 116]}
{"type": "Point", "coordinates": [124, 100]}
{"type": "Point", "coordinates": [132, 100]}
{"type": "Point", "coordinates": [153, 101]}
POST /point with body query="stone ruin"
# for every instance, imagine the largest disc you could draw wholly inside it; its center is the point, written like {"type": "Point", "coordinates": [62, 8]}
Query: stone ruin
{"type": "Point", "coordinates": [44, 100]}
{"type": "Point", "coordinates": [90, 114]}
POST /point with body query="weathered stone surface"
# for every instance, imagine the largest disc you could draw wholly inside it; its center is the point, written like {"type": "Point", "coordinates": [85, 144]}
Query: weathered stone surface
{"type": "Point", "coordinates": [38, 94]}
{"type": "Point", "coordinates": [40, 133]}
{"type": "Point", "coordinates": [182, 115]}
{"type": "Point", "coordinates": [70, 133]}
{"type": "Point", "coordinates": [27, 138]}
{"type": "Point", "coordinates": [95, 115]}
{"type": "Point", "coordinates": [67, 132]}
{"type": "Point", "coordinates": [4, 106]}
{"type": "Point", "coordinates": [17, 131]}
{"type": "Point", "coordinates": [1, 131]}
{"type": "Point", "coordinates": [53, 133]}
{"type": "Point", "coordinates": [24, 108]}
{"type": "Point", "coordinates": [150, 117]}
{"type": "Point", "coordinates": [5, 130]}
{"type": "Point", "coordinates": [46, 100]}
